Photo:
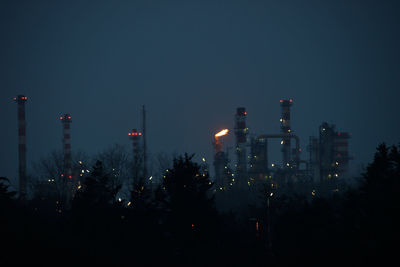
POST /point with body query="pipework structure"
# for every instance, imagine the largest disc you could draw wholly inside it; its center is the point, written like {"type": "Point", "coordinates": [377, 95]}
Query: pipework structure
{"type": "Point", "coordinates": [241, 139]}
{"type": "Point", "coordinates": [259, 158]}
{"type": "Point", "coordinates": [285, 129]}
{"type": "Point", "coordinates": [296, 158]}
{"type": "Point", "coordinates": [21, 100]}
{"type": "Point", "coordinates": [67, 169]}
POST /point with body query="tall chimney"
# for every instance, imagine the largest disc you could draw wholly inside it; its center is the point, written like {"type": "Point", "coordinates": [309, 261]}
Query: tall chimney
{"type": "Point", "coordinates": [144, 145]}
{"type": "Point", "coordinates": [134, 136]}
{"type": "Point", "coordinates": [67, 170]}
{"type": "Point", "coordinates": [220, 160]}
{"type": "Point", "coordinates": [21, 99]}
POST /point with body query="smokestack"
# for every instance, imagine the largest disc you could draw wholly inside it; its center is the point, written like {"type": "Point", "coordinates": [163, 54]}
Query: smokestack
{"type": "Point", "coordinates": [220, 160]}
{"type": "Point", "coordinates": [134, 136]}
{"type": "Point", "coordinates": [144, 144]}
{"type": "Point", "coordinates": [285, 129]}
{"type": "Point", "coordinates": [67, 170]}
{"type": "Point", "coordinates": [217, 140]}
{"type": "Point", "coordinates": [21, 99]}
{"type": "Point", "coordinates": [241, 139]}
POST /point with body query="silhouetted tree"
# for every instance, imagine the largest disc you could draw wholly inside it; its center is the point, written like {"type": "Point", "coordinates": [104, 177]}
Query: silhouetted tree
{"type": "Point", "coordinates": [98, 190]}
{"type": "Point", "coordinates": [5, 194]}
{"type": "Point", "coordinates": [379, 202]}
{"type": "Point", "coordinates": [192, 215]}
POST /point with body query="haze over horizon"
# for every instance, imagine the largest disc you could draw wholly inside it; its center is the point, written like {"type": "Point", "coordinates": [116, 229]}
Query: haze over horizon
{"type": "Point", "coordinates": [192, 63]}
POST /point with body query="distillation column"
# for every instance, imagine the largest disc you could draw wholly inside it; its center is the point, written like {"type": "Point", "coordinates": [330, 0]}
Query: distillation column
{"type": "Point", "coordinates": [21, 99]}
{"type": "Point", "coordinates": [285, 129]}
{"type": "Point", "coordinates": [241, 139]}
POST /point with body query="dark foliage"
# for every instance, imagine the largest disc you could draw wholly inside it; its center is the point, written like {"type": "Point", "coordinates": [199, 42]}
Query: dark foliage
{"type": "Point", "coordinates": [177, 224]}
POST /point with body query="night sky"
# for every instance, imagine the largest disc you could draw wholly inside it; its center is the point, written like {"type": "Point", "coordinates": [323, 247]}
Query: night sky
{"type": "Point", "coordinates": [192, 63]}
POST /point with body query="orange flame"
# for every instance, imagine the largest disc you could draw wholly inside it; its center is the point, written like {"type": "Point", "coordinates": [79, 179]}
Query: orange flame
{"type": "Point", "coordinates": [221, 133]}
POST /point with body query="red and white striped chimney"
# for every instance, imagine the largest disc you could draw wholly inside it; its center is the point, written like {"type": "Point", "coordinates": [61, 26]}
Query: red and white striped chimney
{"type": "Point", "coordinates": [21, 99]}
{"type": "Point", "coordinates": [134, 136]}
{"type": "Point", "coordinates": [67, 170]}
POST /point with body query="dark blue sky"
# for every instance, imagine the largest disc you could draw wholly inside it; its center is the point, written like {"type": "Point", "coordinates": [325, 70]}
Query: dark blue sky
{"type": "Point", "coordinates": [192, 63]}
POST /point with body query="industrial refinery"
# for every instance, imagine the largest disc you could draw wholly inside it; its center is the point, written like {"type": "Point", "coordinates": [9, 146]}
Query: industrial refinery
{"type": "Point", "coordinates": [249, 174]}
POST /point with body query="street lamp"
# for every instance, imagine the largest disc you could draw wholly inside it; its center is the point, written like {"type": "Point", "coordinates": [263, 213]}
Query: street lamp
{"type": "Point", "coordinates": [269, 222]}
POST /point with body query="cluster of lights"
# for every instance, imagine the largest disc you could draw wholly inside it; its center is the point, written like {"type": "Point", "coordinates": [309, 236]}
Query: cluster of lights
{"type": "Point", "coordinates": [22, 98]}
{"type": "Point", "coordinates": [134, 133]}
{"type": "Point", "coordinates": [66, 117]}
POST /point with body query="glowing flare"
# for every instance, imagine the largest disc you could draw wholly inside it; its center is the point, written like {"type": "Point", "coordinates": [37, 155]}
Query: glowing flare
{"type": "Point", "coordinates": [222, 133]}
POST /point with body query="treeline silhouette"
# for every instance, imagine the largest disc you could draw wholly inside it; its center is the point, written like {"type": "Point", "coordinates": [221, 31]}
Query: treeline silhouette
{"type": "Point", "coordinates": [177, 223]}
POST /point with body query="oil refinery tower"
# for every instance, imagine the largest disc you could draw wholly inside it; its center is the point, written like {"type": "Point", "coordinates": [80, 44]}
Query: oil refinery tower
{"type": "Point", "coordinates": [241, 142]}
